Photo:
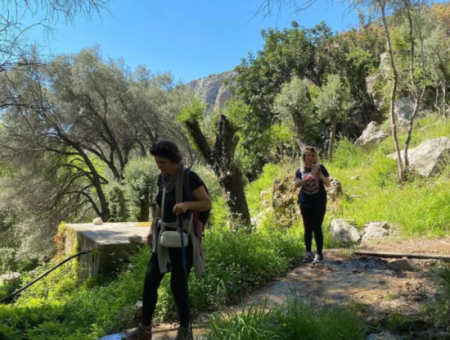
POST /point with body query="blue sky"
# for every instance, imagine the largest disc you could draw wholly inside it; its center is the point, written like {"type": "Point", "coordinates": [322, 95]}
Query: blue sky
{"type": "Point", "coordinates": [190, 38]}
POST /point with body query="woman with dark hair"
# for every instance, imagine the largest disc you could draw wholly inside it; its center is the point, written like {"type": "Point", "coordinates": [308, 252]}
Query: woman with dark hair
{"type": "Point", "coordinates": [312, 178]}
{"type": "Point", "coordinates": [172, 201]}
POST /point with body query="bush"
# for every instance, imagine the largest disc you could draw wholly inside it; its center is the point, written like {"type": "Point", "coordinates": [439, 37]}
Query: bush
{"type": "Point", "coordinates": [7, 260]}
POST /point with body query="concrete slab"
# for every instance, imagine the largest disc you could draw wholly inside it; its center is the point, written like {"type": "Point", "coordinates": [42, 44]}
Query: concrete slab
{"type": "Point", "coordinates": [111, 240]}
{"type": "Point", "coordinates": [111, 233]}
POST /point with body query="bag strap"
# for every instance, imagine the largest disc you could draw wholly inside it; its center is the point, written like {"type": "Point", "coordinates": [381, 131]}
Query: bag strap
{"type": "Point", "coordinates": [187, 185]}
{"type": "Point", "coordinates": [162, 204]}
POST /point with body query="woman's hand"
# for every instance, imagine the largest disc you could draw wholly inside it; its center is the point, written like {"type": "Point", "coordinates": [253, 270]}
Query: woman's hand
{"type": "Point", "coordinates": [309, 178]}
{"type": "Point", "coordinates": [180, 208]}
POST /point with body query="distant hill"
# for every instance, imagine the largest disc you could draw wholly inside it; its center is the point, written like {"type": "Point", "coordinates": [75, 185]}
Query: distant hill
{"type": "Point", "coordinates": [212, 89]}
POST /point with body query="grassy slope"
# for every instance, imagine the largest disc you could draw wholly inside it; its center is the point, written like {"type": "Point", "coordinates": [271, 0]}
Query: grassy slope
{"type": "Point", "coordinates": [419, 207]}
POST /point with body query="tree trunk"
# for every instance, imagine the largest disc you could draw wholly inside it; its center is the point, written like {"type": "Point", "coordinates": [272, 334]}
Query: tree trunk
{"type": "Point", "coordinates": [444, 102]}
{"type": "Point", "coordinates": [221, 159]}
{"type": "Point", "coordinates": [436, 103]}
{"type": "Point", "coordinates": [417, 97]}
{"type": "Point", "coordinates": [144, 207]}
{"type": "Point", "coordinates": [234, 195]}
{"type": "Point", "coordinates": [393, 91]}
{"type": "Point", "coordinates": [332, 137]}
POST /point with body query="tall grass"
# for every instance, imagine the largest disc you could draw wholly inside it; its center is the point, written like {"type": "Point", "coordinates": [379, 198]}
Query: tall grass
{"type": "Point", "coordinates": [298, 320]}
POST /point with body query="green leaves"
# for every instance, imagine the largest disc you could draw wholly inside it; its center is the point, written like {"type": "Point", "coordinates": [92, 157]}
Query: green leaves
{"type": "Point", "coordinates": [333, 100]}
{"type": "Point", "coordinates": [193, 111]}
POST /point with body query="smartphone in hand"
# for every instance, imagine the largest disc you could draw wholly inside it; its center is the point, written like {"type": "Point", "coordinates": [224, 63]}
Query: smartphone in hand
{"type": "Point", "coordinates": [315, 169]}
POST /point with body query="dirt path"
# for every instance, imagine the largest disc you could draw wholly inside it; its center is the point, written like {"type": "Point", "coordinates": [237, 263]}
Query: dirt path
{"type": "Point", "coordinates": [431, 246]}
{"type": "Point", "coordinates": [373, 283]}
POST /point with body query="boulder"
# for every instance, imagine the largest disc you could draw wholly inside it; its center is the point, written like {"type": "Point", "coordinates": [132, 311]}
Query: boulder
{"type": "Point", "coordinates": [381, 76]}
{"type": "Point", "coordinates": [427, 159]}
{"type": "Point", "coordinates": [284, 200]}
{"type": "Point", "coordinates": [97, 221]}
{"type": "Point", "coordinates": [403, 109]}
{"type": "Point", "coordinates": [375, 231]}
{"type": "Point", "coordinates": [371, 135]}
{"type": "Point", "coordinates": [135, 239]}
{"type": "Point", "coordinates": [343, 232]}
{"type": "Point", "coordinates": [335, 188]}
{"type": "Point", "coordinates": [400, 265]}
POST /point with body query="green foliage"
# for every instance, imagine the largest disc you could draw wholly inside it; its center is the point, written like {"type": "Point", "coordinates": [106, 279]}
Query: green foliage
{"type": "Point", "coordinates": [140, 186]}
{"type": "Point", "coordinates": [293, 104]}
{"type": "Point", "coordinates": [298, 320]}
{"type": "Point", "coordinates": [7, 257]}
{"type": "Point", "coordinates": [115, 195]}
{"type": "Point", "coordinates": [384, 172]}
{"type": "Point", "coordinates": [333, 100]}
{"type": "Point", "coordinates": [193, 112]}
{"type": "Point", "coordinates": [292, 52]}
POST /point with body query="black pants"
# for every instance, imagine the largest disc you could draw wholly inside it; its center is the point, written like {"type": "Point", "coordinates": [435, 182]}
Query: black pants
{"type": "Point", "coordinates": [312, 221]}
{"type": "Point", "coordinates": [153, 280]}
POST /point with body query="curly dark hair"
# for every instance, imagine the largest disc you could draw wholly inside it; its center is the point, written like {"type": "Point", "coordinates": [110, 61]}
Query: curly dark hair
{"type": "Point", "coordinates": [167, 149]}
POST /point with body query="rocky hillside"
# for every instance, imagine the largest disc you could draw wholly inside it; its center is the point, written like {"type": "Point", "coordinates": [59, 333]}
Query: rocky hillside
{"type": "Point", "coordinates": [213, 89]}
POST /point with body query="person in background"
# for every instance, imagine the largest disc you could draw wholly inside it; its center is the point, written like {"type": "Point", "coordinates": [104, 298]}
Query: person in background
{"type": "Point", "coordinates": [312, 178]}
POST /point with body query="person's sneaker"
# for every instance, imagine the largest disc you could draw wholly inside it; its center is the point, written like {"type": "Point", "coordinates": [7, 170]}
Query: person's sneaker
{"type": "Point", "coordinates": [308, 257]}
{"type": "Point", "coordinates": [140, 333]}
{"type": "Point", "coordinates": [184, 334]}
{"type": "Point", "coordinates": [317, 259]}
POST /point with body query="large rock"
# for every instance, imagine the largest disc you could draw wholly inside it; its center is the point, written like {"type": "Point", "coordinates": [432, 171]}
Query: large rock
{"type": "Point", "coordinates": [428, 157]}
{"type": "Point", "coordinates": [284, 200]}
{"type": "Point", "coordinates": [375, 231]}
{"type": "Point", "coordinates": [381, 76]}
{"type": "Point", "coordinates": [403, 109]}
{"type": "Point", "coordinates": [371, 135]}
{"type": "Point", "coordinates": [400, 265]}
{"type": "Point", "coordinates": [343, 232]}
{"type": "Point", "coordinates": [213, 89]}
{"type": "Point", "coordinates": [335, 188]}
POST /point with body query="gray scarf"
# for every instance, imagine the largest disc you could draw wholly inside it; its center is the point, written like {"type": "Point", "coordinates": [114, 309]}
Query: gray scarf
{"type": "Point", "coordinates": [171, 182]}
